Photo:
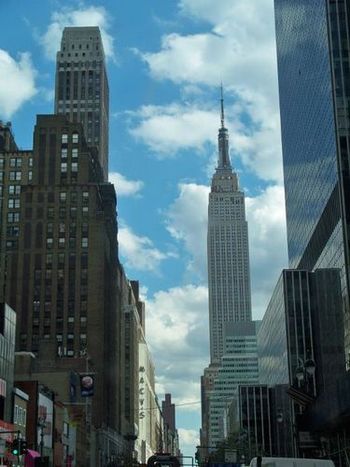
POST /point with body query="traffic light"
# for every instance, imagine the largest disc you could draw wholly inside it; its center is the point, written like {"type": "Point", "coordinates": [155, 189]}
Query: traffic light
{"type": "Point", "coordinates": [23, 448]}
{"type": "Point", "coordinates": [197, 457]}
{"type": "Point", "coordinates": [15, 447]}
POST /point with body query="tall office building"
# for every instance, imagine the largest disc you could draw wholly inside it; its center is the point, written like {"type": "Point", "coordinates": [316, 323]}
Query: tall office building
{"type": "Point", "coordinates": [227, 249]}
{"type": "Point", "coordinates": [314, 86]}
{"type": "Point", "coordinates": [239, 366]}
{"type": "Point", "coordinates": [82, 87]}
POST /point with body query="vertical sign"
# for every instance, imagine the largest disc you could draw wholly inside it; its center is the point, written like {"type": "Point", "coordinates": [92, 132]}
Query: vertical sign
{"type": "Point", "coordinates": [141, 392]}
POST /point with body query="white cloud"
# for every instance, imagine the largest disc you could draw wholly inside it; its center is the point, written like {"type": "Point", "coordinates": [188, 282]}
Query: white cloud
{"type": "Point", "coordinates": [177, 331]}
{"type": "Point", "coordinates": [187, 221]}
{"type": "Point", "coordinates": [88, 16]}
{"type": "Point", "coordinates": [123, 186]}
{"type": "Point", "coordinates": [239, 49]}
{"type": "Point", "coordinates": [17, 82]}
{"type": "Point", "coordinates": [267, 242]}
{"type": "Point", "coordinates": [169, 129]}
{"type": "Point", "coordinates": [189, 437]}
{"type": "Point", "coordinates": [138, 252]}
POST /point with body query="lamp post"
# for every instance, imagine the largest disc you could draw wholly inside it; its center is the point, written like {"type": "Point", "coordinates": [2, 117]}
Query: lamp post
{"type": "Point", "coordinates": [41, 425]}
{"type": "Point", "coordinates": [305, 372]}
{"type": "Point", "coordinates": [130, 438]}
{"type": "Point", "coordinates": [279, 420]}
{"type": "Point", "coordinates": [305, 375]}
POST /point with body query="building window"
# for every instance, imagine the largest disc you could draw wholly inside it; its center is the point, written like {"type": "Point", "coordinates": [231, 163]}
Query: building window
{"type": "Point", "coordinates": [74, 167]}
{"type": "Point", "coordinates": [63, 197]}
{"type": "Point", "coordinates": [15, 175]}
{"type": "Point", "coordinates": [64, 153]}
{"type": "Point", "coordinates": [13, 217]}
{"type": "Point", "coordinates": [75, 138]}
{"type": "Point", "coordinates": [64, 138]}
{"type": "Point", "coordinates": [74, 153]}
{"type": "Point", "coordinates": [30, 175]}
{"type": "Point", "coordinates": [84, 242]}
{"type": "Point", "coordinates": [15, 162]}
{"type": "Point", "coordinates": [61, 242]}
{"type": "Point", "coordinates": [14, 203]}
{"type": "Point", "coordinates": [50, 213]}
{"type": "Point", "coordinates": [14, 189]}
{"type": "Point", "coordinates": [64, 167]}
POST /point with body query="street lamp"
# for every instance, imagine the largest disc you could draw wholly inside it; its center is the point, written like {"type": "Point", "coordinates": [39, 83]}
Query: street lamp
{"type": "Point", "coordinates": [41, 425]}
{"type": "Point", "coordinates": [305, 375]}
{"type": "Point", "coordinates": [305, 372]}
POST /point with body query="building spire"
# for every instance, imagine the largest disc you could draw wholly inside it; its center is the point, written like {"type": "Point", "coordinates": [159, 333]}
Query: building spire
{"type": "Point", "coordinates": [224, 157]}
{"type": "Point", "coordinates": [222, 108]}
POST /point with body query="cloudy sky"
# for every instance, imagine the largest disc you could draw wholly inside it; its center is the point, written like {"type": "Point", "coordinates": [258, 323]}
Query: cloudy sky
{"type": "Point", "coordinates": [166, 60]}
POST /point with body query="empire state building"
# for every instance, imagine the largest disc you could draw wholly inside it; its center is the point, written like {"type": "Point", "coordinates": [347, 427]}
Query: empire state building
{"type": "Point", "coordinates": [227, 249]}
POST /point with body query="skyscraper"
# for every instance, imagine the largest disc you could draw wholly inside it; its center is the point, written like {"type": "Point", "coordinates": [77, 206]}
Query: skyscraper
{"type": "Point", "coordinates": [227, 249]}
{"type": "Point", "coordinates": [239, 365]}
{"type": "Point", "coordinates": [314, 86]}
{"type": "Point", "coordinates": [59, 265]}
{"type": "Point", "coordinates": [82, 87]}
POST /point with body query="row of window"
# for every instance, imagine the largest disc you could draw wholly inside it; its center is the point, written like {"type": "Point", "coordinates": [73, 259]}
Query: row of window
{"type": "Point", "coordinates": [64, 153]}
{"type": "Point", "coordinates": [63, 196]}
{"type": "Point", "coordinates": [16, 176]}
{"type": "Point", "coordinates": [62, 242]}
{"type": "Point", "coordinates": [62, 212]}
{"type": "Point", "coordinates": [73, 167]}
{"type": "Point", "coordinates": [15, 162]}
{"type": "Point", "coordinates": [65, 138]}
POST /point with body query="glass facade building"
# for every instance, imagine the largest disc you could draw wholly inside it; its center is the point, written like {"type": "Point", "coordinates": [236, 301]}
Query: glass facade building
{"type": "Point", "coordinates": [272, 340]}
{"type": "Point", "coordinates": [239, 365]}
{"type": "Point", "coordinates": [314, 87]}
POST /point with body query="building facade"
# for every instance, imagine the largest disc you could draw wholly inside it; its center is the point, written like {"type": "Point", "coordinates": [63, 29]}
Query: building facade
{"type": "Point", "coordinates": [7, 360]}
{"type": "Point", "coordinates": [239, 366]}
{"type": "Point", "coordinates": [82, 86]}
{"type": "Point", "coordinates": [301, 349]}
{"type": "Point", "coordinates": [171, 436]}
{"type": "Point", "coordinates": [314, 76]}
{"type": "Point", "coordinates": [227, 250]}
{"type": "Point", "coordinates": [56, 211]}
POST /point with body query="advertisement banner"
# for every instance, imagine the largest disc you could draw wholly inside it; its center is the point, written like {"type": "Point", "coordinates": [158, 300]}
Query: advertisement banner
{"type": "Point", "coordinates": [86, 385]}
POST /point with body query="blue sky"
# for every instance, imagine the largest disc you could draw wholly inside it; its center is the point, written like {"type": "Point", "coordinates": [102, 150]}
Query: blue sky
{"type": "Point", "coordinates": [166, 59]}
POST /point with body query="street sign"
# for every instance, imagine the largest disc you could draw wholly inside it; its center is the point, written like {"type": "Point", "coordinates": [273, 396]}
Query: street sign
{"type": "Point", "coordinates": [230, 456]}
{"type": "Point", "coordinates": [307, 440]}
